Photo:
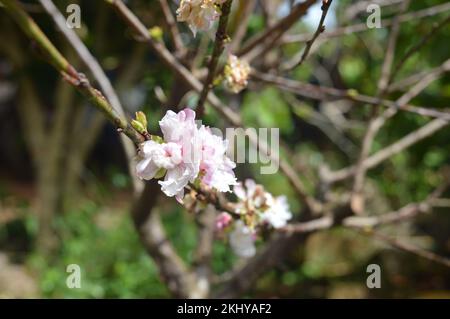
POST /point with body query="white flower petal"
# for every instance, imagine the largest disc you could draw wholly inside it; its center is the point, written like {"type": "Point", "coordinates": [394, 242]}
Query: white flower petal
{"type": "Point", "coordinates": [146, 169]}
{"type": "Point", "coordinates": [241, 240]}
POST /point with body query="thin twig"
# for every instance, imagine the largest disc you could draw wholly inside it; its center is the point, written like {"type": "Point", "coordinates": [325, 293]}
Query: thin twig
{"type": "Point", "coordinates": [389, 151]}
{"type": "Point", "coordinates": [408, 248]}
{"type": "Point", "coordinates": [403, 214]}
{"type": "Point", "coordinates": [376, 122]}
{"type": "Point", "coordinates": [173, 28]}
{"type": "Point", "coordinates": [326, 93]}
{"type": "Point", "coordinates": [265, 40]}
{"type": "Point", "coordinates": [362, 27]}
{"type": "Point", "coordinates": [320, 29]}
{"type": "Point", "coordinates": [417, 47]}
{"type": "Point", "coordinates": [241, 19]}
{"type": "Point", "coordinates": [219, 44]}
{"type": "Point", "coordinates": [405, 83]}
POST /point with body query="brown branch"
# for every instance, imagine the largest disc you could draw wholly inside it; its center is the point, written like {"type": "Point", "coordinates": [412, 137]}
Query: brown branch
{"type": "Point", "coordinates": [317, 93]}
{"type": "Point", "coordinates": [408, 248]}
{"type": "Point", "coordinates": [361, 27]}
{"type": "Point", "coordinates": [174, 272]}
{"type": "Point", "coordinates": [265, 40]}
{"type": "Point", "coordinates": [410, 80]}
{"type": "Point", "coordinates": [219, 45]}
{"type": "Point", "coordinates": [389, 151]}
{"type": "Point", "coordinates": [203, 252]}
{"type": "Point", "coordinates": [418, 46]}
{"type": "Point", "coordinates": [173, 28]}
{"type": "Point", "coordinates": [78, 80]}
{"type": "Point", "coordinates": [99, 75]}
{"type": "Point", "coordinates": [273, 253]}
{"type": "Point", "coordinates": [320, 29]}
{"type": "Point", "coordinates": [403, 214]}
{"type": "Point", "coordinates": [326, 93]}
{"type": "Point", "coordinates": [241, 19]}
{"type": "Point", "coordinates": [376, 122]}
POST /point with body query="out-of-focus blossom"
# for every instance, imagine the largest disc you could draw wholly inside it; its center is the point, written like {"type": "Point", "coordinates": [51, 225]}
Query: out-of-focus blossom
{"type": "Point", "coordinates": [251, 197]}
{"type": "Point", "coordinates": [236, 74]}
{"type": "Point", "coordinates": [199, 14]}
{"type": "Point", "coordinates": [242, 240]}
{"type": "Point", "coordinates": [223, 220]}
{"type": "Point", "coordinates": [259, 206]}
{"type": "Point", "coordinates": [277, 214]}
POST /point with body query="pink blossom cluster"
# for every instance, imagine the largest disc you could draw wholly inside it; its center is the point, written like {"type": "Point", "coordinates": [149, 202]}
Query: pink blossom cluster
{"type": "Point", "coordinates": [186, 153]}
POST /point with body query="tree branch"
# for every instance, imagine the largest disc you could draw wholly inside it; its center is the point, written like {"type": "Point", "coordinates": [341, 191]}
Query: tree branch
{"type": "Point", "coordinates": [99, 75]}
{"type": "Point", "coordinates": [297, 61]}
{"type": "Point", "coordinates": [322, 93]}
{"type": "Point", "coordinates": [78, 80]}
{"type": "Point", "coordinates": [362, 27]}
{"type": "Point", "coordinates": [266, 40]}
{"type": "Point", "coordinates": [173, 28]}
{"type": "Point", "coordinates": [408, 248]}
{"type": "Point", "coordinates": [219, 44]}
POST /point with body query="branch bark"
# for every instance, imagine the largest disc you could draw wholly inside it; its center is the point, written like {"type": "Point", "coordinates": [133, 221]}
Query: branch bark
{"type": "Point", "coordinates": [219, 45]}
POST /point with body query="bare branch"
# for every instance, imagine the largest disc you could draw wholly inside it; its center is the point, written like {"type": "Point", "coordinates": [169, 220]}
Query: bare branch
{"type": "Point", "coordinates": [148, 224]}
{"type": "Point", "coordinates": [361, 27]}
{"type": "Point", "coordinates": [245, 11]}
{"type": "Point", "coordinates": [389, 151]}
{"type": "Point", "coordinates": [273, 253]}
{"type": "Point", "coordinates": [297, 61]}
{"type": "Point", "coordinates": [418, 46]}
{"type": "Point", "coordinates": [409, 248]}
{"type": "Point", "coordinates": [403, 214]}
{"type": "Point", "coordinates": [219, 44]}
{"type": "Point", "coordinates": [173, 28]}
{"type": "Point", "coordinates": [76, 79]}
{"type": "Point", "coordinates": [265, 40]}
{"type": "Point", "coordinates": [99, 75]}
{"type": "Point", "coordinates": [326, 93]}
{"type": "Point", "coordinates": [375, 124]}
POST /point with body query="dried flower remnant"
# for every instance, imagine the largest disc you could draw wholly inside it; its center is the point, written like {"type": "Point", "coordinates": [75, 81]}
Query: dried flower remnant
{"type": "Point", "coordinates": [199, 14]}
{"type": "Point", "coordinates": [236, 74]}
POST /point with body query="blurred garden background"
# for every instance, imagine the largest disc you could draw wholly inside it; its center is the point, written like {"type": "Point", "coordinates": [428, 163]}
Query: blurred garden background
{"type": "Point", "coordinates": [65, 187]}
